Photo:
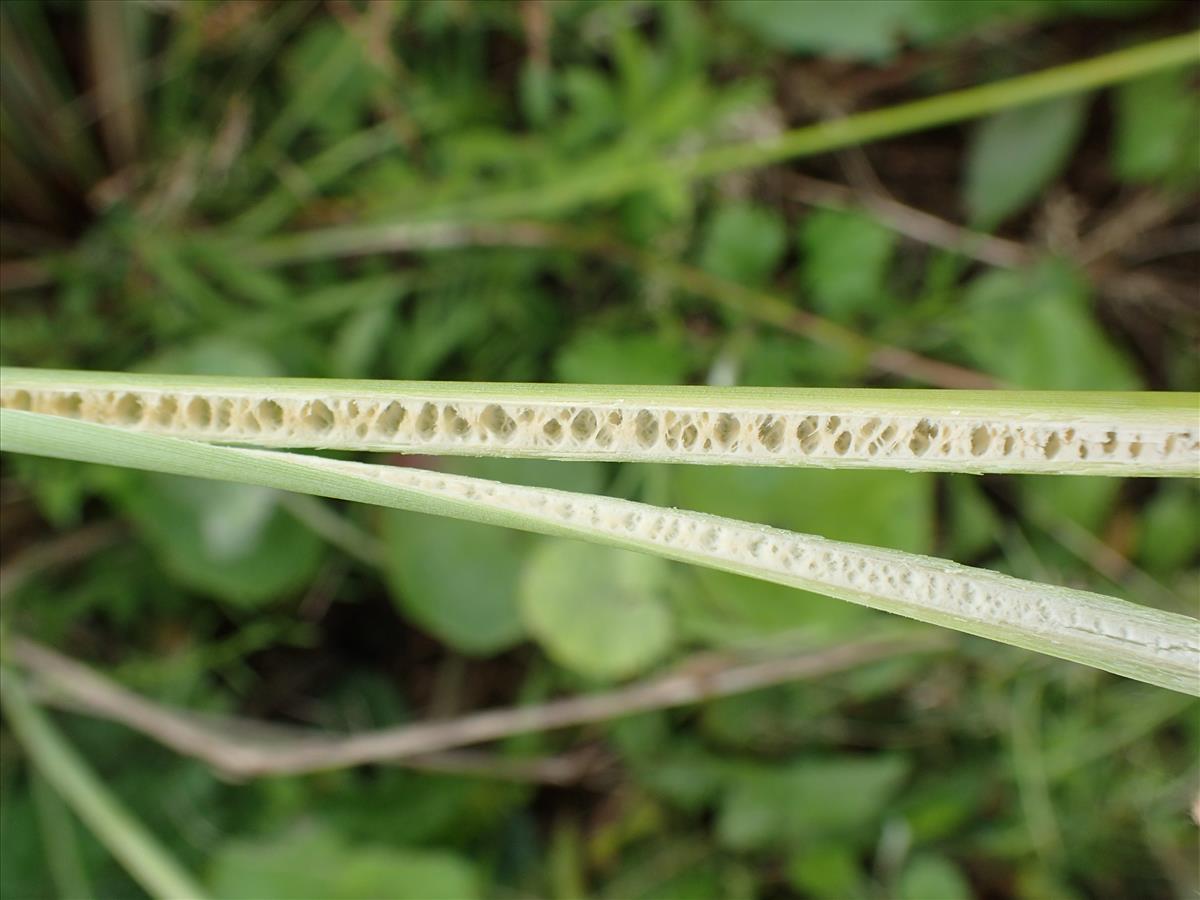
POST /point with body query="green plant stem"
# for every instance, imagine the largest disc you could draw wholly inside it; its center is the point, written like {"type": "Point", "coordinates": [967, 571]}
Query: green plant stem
{"type": "Point", "coordinates": [127, 839]}
{"type": "Point", "coordinates": [1049, 432]}
{"type": "Point", "coordinates": [1150, 645]}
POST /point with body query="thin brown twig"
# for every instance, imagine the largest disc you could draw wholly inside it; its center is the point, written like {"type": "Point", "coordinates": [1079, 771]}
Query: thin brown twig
{"type": "Point", "coordinates": [913, 223]}
{"type": "Point", "coordinates": [1131, 220]}
{"type": "Point", "coordinates": [246, 748]}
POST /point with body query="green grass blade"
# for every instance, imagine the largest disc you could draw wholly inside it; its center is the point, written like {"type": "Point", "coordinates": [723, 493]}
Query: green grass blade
{"type": "Point", "coordinates": [58, 829]}
{"type": "Point", "coordinates": [822, 137]}
{"type": "Point", "coordinates": [126, 838]}
{"type": "Point", "coordinates": [1150, 645]}
{"type": "Point", "coordinates": [1081, 433]}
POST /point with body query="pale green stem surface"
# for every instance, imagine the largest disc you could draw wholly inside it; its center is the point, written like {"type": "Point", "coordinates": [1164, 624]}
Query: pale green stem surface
{"type": "Point", "coordinates": [1150, 645]}
{"type": "Point", "coordinates": [126, 838]}
{"type": "Point", "coordinates": [1079, 433]}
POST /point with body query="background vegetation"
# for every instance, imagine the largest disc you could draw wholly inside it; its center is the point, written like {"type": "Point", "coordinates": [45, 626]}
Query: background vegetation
{"type": "Point", "coordinates": [160, 159]}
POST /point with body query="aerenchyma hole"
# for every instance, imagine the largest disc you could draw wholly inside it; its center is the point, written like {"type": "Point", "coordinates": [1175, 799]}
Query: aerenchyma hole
{"type": "Point", "coordinates": [646, 426]}
{"type": "Point", "coordinates": [919, 443]}
{"type": "Point", "coordinates": [69, 405]}
{"type": "Point", "coordinates": [317, 416]}
{"type": "Point", "coordinates": [270, 414]}
{"type": "Point", "coordinates": [426, 423]}
{"type": "Point", "coordinates": [583, 426]}
{"type": "Point", "coordinates": [726, 429]}
{"type": "Point", "coordinates": [1053, 445]}
{"type": "Point", "coordinates": [164, 412]}
{"type": "Point", "coordinates": [770, 433]}
{"type": "Point", "coordinates": [250, 421]}
{"type": "Point", "coordinates": [389, 420]}
{"type": "Point", "coordinates": [199, 412]}
{"type": "Point", "coordinates": [20, 400]}
{"type": "Point", "coordinates": [553, 430]}
{"type": "Point", "coordinates": [497, 421]}
{"type": "Point", "coordinates": [981, 439]}
{"type": "Point", "coordinates": [129, 409]}
{"type": "Point", "coordinates": [454, 423]}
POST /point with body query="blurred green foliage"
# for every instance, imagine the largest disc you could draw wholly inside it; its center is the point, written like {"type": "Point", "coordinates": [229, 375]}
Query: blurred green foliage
{"type": "Point", "coordinates": [185, 181]}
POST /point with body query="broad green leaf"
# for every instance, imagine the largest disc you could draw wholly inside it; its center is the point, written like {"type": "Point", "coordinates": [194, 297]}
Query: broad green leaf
{"type": "Point", "coordinates": [456, 579]}
{"type": "Point", "coordinates": [1157, 126]}
{"type": "Point", "coordinates": [780, 806]}
{"type": "Point", "coordinates": [930, 876]}
{"type": "Point", "coordinates": [1034, 329]}
{"type": "Point", "coordinates": [743, 243]}
{"type": "Point", "coordinates": [312, 863]}
{"type": "Point", "coordinates": [855, 29]}
{"type": "Point", "coordinates": [228, 540]}
{"type": "Point", "coordinates": [875, 30]}
{"type": "Point", "coordinates": [599, 611]}
{"type": "Point", "coordinates": [940, 806]}
{"type": "Point", "coordinates": [1013, 155]}
{"type": "Point", "coordinates": [682, 773]}
{"type": "Point", "coordinates": [845, 262]}
{"type": "Point", "coordinates": [439, 809]}
{"type": "Point", "coordinates": [828, 871]}
{"type": "Point", "coordinates": [599, 357]}
{"type": "Point", "coordinates": [935, 21]}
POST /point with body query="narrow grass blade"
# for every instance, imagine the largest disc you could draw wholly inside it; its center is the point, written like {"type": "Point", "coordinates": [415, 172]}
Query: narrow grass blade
{"type": "Point", "coordinates": [593, 186]}
{"type": "Point", "coordinates": [1150, 645]}
{"type": "Point", "coordinates": [126, 838]}
{"type": "Point", "coordinates": [1081, 433]}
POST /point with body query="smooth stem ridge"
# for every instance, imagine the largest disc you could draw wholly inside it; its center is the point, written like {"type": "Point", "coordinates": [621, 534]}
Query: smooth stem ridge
{"type": "Point", "coordinates": [1150, 645]}
{"type": "Point", "coordinates": [956, 431]}
{"type": "Point", "coordinates": [146, 860]}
